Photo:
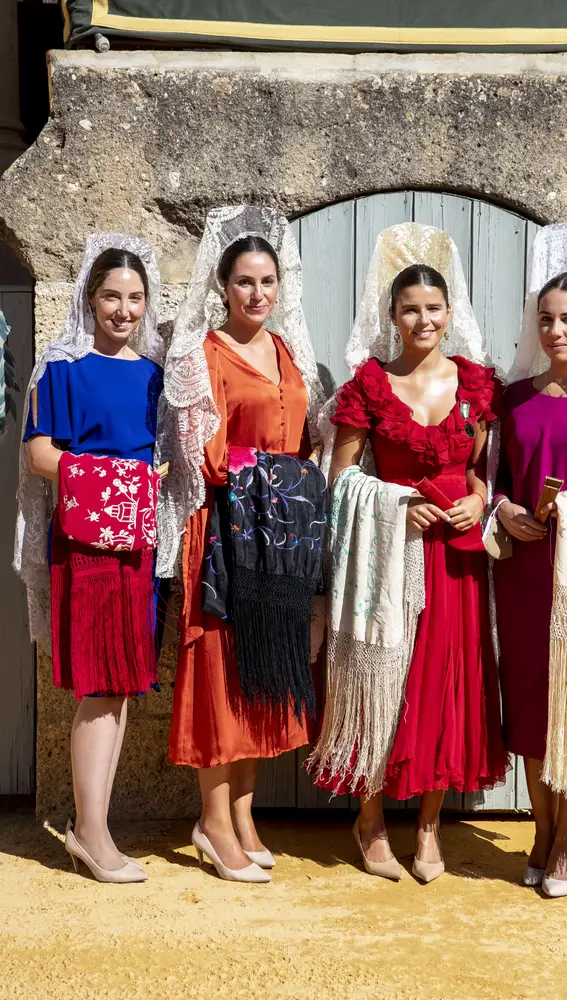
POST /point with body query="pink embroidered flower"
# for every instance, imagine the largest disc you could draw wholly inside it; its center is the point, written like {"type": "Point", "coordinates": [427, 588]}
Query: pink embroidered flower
{"type": "Point", "coordinates": [242, 458]}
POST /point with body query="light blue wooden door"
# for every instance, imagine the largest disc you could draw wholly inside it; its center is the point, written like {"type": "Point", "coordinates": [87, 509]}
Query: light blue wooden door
{"type": "Point", "coordinates": [336, 244]}
{"type": "Point", "coordinates": [17, 660]}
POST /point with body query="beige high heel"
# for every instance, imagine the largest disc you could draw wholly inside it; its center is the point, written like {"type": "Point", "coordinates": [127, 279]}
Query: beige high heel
{"type": "Point", "coordinates": [264, 859]}
{"type": "Point", "coordinates": [71, 826]}
{"type": "Point", "coordinates": [129, 873]}
{"type": "Point", "coordinates": [203, 846]}
{"type": "Point", "coordinates": [428, 871]}
{"type": "Point", "coordinates": [386, 869]}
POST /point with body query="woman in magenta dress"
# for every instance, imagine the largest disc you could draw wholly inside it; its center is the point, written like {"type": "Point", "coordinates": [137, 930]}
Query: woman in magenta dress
{"type": "Point", "coordinates": [533, 446]}
{"type": "Point", "coordinates": [426, 415]}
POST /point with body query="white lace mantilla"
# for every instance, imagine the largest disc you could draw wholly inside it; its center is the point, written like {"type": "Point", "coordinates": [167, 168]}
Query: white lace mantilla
{"type": "Point", "coordinates": [373, 333]}
{"type": "Point", "coordinates": [188, 417]}
{"type": "Point", "coordinates": [36, 495]}
{"type": "Point", "coordinates": [547, 259]}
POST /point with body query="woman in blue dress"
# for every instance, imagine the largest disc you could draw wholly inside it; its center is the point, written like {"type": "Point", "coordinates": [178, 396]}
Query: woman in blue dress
{"type": "Point", "coordinates": [95, 391]}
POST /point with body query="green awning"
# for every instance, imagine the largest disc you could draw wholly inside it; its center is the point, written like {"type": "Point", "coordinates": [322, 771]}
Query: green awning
{"type": "Point", "coordinates": [327, 25]}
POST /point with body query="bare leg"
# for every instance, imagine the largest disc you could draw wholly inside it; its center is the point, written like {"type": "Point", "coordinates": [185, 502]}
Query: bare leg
{"type": "Point", "coordinates": [93, 742]}
{"type": "Point", "coordinates": [544, 805]}
{"type": "Point", "coordinates": [117, 751]}
{"type": "Point", "coordinates": [216, 818]}
{"type": "Point", "coordinates": [557, 864]}
{"type": "Point", "coordinates": [373, 833]}
{"type": "Point", "coordinates": [428, 844]}
{"type": "Point", "coordinates": [242, 781]}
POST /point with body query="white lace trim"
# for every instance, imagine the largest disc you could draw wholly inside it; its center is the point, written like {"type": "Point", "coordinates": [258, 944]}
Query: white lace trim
{"type": "Point", "coordinates": [547, 258]}
{"type": "Point", "coordinates": [396, 248]}
{"type": "Point", "coordinates": [188, 416]}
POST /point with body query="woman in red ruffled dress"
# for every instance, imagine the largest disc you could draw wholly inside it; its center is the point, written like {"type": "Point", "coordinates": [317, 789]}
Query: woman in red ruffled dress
{"type": "Point", "coordinates": [426, 415]}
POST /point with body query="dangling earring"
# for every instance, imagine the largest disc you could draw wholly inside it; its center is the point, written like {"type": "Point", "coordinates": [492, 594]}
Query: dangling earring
{"type": "Point", "coordinates": [397, 338]}
{"type": "Point", "coordinates": [446, 335]}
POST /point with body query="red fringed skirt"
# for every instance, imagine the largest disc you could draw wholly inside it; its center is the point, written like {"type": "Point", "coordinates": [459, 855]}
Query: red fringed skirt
{"type": "Point", "coordinates": [102, 619]}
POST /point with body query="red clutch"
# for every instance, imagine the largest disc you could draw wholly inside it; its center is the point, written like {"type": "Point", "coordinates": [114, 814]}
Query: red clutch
{"type": "Point", "coordinates": [108, 503]}
{"type": "Point", "coordinates": [467, 541]}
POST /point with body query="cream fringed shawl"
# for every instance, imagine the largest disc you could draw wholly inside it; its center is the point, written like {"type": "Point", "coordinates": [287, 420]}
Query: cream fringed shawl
{"type": "Point", "coordinates": [555, 764]}
{"type": "Point", "coordinates": [376, 594]}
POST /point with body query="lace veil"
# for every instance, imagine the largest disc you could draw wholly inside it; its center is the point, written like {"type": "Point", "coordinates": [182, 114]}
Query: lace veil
{"type": "Point", "coordinates": [188, 415]}
{"type": "Point", "coordinates": [397, 248]}
{"type": "Point", "coordinates": [548, 257]}
{"type": "Point", "coordinates": [35, 494]}
{"type": "Point", "coordinates": [373, 333]}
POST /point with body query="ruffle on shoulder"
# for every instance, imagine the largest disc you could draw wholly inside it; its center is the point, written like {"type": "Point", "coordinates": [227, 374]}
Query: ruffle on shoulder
{"type": "Point", "coordinates": [369, 401]}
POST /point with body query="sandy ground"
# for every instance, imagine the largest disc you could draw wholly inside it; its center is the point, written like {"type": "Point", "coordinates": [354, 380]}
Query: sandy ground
{"type": "Point", "coordinates": [322, 929]}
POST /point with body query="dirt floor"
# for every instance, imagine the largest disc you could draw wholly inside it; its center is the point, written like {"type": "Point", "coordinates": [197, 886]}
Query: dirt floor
{"type": "Point", "coordinates": [322, 929]}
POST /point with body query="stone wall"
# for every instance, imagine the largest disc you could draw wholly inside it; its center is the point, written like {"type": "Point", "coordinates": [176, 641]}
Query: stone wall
{"type": "Point", "coordinates": [146, 143]}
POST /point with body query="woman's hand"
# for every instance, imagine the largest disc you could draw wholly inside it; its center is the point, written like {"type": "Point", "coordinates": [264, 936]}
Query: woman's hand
{"type": "Point", "coordinates": [519, 523]}
{"type": "Point", "coordinates": [467, 512]}
{"type": "Point", "coordinates": [422, 515]}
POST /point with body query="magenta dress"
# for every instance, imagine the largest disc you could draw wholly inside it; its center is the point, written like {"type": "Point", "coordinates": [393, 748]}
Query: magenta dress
{"type": "Point", "coordinates": [534, 445]}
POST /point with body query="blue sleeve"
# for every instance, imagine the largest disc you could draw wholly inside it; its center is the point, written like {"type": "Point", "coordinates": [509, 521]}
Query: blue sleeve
{"type": "Point", "coordinates": [53, 405]}
{"type": "Point", "coordinates": [155, 389]}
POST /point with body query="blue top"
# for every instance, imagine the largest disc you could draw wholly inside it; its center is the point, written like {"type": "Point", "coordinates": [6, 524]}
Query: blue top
{"type": "Point", "coordinates": [99, 406]}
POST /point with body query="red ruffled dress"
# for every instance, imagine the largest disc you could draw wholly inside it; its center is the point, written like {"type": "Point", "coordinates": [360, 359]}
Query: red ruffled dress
{"type": "Point", "coordinates": [449, 733]}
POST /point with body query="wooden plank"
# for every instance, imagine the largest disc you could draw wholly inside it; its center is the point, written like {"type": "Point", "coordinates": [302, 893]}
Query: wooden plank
{"type": "Point", "coordinates": [327, 243]}
{"type": "Point", "coordinates": [276, 782]}
{"type": "Point", "coordinates": [523, 803]}
{"type": "Point", "coordinates": [373, 214]}
{"type": "Point", "coordinates": [498, 254]}
{"type": "Point", "coordinates": [311, 797]}
{"type": "Point", "coordinates": [17, 662]}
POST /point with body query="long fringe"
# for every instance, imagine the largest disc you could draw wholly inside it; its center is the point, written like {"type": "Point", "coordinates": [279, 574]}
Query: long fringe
{"type": "Point", "coordinates": [272, 619]}
{"type": "Point", "coordinates": [102, 620]}
{"type": "Point", "coordinates": [365, 693]}
{"type": "Point", "coordinates": [554, 772]}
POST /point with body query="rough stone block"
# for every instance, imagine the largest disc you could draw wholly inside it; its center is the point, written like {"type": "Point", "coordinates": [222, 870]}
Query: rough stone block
{"type": "Point", "coordinates": [147, 142]}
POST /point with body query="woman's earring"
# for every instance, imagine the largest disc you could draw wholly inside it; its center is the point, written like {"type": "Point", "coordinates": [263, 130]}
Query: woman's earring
{"type": "Point", "coordinates": [397, 337]}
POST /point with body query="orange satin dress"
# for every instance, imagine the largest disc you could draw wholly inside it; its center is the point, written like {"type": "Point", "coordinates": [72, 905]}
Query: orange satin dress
{"type": "Point", "coordinates": [212, 722]}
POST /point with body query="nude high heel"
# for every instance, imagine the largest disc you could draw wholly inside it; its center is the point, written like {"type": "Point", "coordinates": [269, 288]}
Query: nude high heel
{"type": "Point", "coordinates": [71, 826]}
{"type": "Point", "coordinates": [554, 887]}
{"type": "Point", "coordinates": [386, 869]}
{"type": "Point", "coordinates": [252, 873]}
{"type": "Point", "coordinates": [428, 871]}
{"type": "Point", "coordinates": [129, 873]}
{"type": "Point", "coordinates": [264, 859]}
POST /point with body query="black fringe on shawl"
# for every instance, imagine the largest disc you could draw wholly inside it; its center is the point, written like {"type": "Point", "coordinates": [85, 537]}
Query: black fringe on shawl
{"type": "Point", "coordinates": [262, 570]}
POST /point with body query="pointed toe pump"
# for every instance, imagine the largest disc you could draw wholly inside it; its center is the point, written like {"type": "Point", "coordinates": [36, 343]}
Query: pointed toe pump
{"type": "Point", "coordinates": [428, 871]}
{"type": "Point", "coordinates": [385, 869]}
{"type": "Point", "coordinates": [129, 873]}
{"type": "Point", "coordinates": [264, 859]}
{"type": "Point", "coordinates": [554, 887]}
{"type": "Point", "coordinates": [203, 846]}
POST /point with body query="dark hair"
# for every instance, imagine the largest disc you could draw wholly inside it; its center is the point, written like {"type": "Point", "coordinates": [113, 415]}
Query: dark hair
{"type": "Point", "coordinates": [247, 244]}
{"type": "Point", "coordinates": [559, 282]}
{"type": "Point", "coordinates": [418, 274]}
{"type": "Point", "coordinates": [111, 260]}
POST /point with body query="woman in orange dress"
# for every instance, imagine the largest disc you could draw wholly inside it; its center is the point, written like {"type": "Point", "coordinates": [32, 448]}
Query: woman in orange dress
{"type": "Point", "coordinates": [254, 396]}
